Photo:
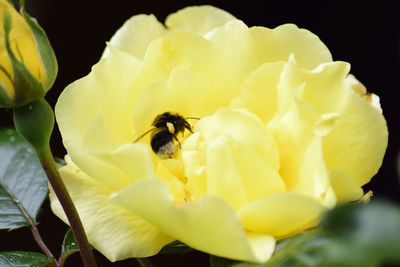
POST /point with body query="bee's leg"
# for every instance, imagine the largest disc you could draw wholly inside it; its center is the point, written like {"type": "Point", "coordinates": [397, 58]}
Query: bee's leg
{"type": "Point", "coordinates": [188, 126]}
{"type": "Point", "coordinates": [177, 140]}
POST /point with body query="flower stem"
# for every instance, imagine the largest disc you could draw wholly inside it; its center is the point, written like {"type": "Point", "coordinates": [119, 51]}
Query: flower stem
{"type": "Point", "coordinates": [34, 229]}
{"type": "Point", "coordinates": [50, 168]}
{"type": "Point", "coordinates": [34, 122]}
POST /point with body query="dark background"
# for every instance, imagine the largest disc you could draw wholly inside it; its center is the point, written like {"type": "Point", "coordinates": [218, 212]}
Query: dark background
{"type": "Point", "coordinates": [366, 35]}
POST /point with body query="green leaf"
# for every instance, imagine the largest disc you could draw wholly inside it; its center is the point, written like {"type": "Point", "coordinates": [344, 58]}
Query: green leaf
{"type": "Point", "coordinates": [23, 183]}
{"type": "Point", "coordinates": [175, 247]}
{"type": "Point", "coordinates": [69, 246]}
{"type": "Point", "coordinates": [352, 235]}
{"type": "Point", "coordinates": [365, 235]}
{"type": "Point", "coordinates": [290, 252]}
{"type": "Point", "coordinates": [22, 259]}
{"type": "Point", "coordinates": [306, 249]}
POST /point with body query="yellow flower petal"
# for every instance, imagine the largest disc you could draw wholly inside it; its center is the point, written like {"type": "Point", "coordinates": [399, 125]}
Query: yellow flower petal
{"type": "Point", "coordinates": [235, 41]}
{"type": "Point", "coordinates": [107, 86]}
{"type": "Point", "coordinates": [327, 90]}
{"type": "Point", "coordinates": [358, 141]}
{"type": "Point", "coordinates": [150, 103]}
{"type": "Point", "coordinates": [136, 34]}
{"type": "Point", "coordinates": [134, 160]}
{"type": "Point", "coordinates": [329, 199]}
{"type": "Point", "coordinates": [196, 187]}
{"type": "Point", "coordinates": [190, 50]}
{"type": "Point", "coordinates": [324, 87]}
{"type": "Point", "coordinates": [114, 231]}
{"type": "Point", "coordinates": [178, 55]}
{"type": "Point", "coordinates": [174, 167]}
{"type": "Point", "coordinates": [300, 147]}
{"type": "Point", "coordinates": [209, 225]}
{"type": "Point", "coordinates": [206, 94]}
{"type": "Point", "coordinates": [171, 171]}
{"type": "Point", "coordinates": [280, 214]}
{"type": "Point", "coordinates": [116, 167]}
{"type": "Point", "coordinates": [366, 197]}
{"type": "Point", "coordinates": [312, 177]}
{"type": "Point", "coordinates": [198, 19]}
{"type": "Point", "coordinates": [184, 49]}
{"type": "Point", "coordinates": [233, 156]}
{"type": "Point", "coordinates": [345, 187]}
{"type": "Point", "coordinates": [277, 44]}
{"type": "Point", "coordinates": [259, 178]}
{"type": "Point", "coordinates": [223, 178]}
{"type": "Point", "coordinates": [97, 133]}
{"type": "Point", "coordinates": [261, 88]}
{"type": "Point", "coordinates": [104, 122]}
{"type": "Point", "coordinates": [358, 87]}
{"type": "Point", "coordinates": [99, 168]}
{"type": "Point", "coordinates": [243, 126]}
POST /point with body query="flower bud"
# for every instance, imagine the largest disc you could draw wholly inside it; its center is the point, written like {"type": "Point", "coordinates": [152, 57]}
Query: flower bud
{"type": "Point", "coordinates": [28, 66]}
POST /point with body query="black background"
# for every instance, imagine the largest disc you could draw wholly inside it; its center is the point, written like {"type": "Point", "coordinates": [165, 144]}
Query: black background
{"type": "Point", "coordinates": [366, 35]}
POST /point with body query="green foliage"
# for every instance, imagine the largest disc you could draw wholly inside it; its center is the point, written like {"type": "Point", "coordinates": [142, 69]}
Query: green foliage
{"type": "Point", "coordinates": [60, 162]}
{"type": "Point", "coordinates": [352, 235]}
{"type": "Point", "coordinates": [175, 247]}
{"type": "Point", "coordinates": [27, 88]}
{"type": "Point", "coordinates": [46, 52]}
{"type": "Point", "coordinates": [23, 184]}
{"type": "Point", "coordinates": [69, 246]}
{"type": "Point", "coordinates": [366, 235]}
{"type": "Point", "coordinates": [22, 258]}
{"type": "Point", "coordinates": [5, 98]}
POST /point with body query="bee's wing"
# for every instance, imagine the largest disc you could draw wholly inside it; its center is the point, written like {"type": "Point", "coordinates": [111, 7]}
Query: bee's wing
{"type": "Point", "coordinates": [143, 135]}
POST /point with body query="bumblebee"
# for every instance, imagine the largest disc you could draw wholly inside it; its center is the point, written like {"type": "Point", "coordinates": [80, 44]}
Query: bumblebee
{"type": "Point", "coordinates": [166, 127]}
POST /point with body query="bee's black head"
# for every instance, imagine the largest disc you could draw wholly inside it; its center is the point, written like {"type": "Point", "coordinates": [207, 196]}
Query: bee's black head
{"type": "Point", "coordinates": [166, 127]}
{"type": "Point", "coordinates": [176, 120]}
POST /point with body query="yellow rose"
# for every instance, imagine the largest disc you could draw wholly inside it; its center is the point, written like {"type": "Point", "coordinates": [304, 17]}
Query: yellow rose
{"type": "Point", "coordinates": [28, 66]}
{"type": "Point", "coordinates": [283, 135]}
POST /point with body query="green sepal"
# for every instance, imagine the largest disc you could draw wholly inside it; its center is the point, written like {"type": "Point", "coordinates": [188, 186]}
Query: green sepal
{"type": "Point", "coordinates": [5, 98]}
{"type": "Point", "coordinates": [46, 52]}
{"type": "Point", "coordinates": [27, 88]}
{"type": "Point", "coordinates": [35, 122]}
